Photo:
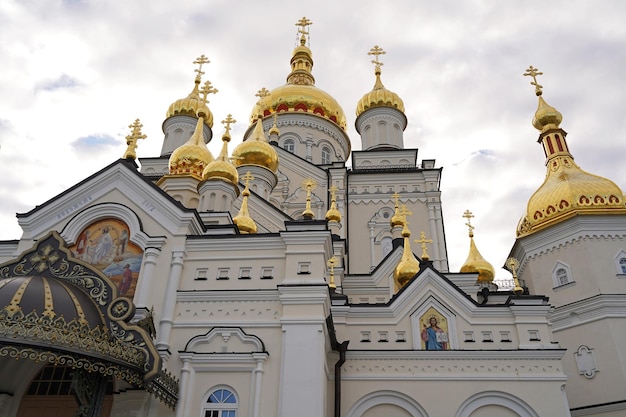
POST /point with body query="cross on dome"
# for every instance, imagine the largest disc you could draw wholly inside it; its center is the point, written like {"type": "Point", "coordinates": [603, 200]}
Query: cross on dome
{"type": "Point", "coordinates": [227, 122]}
{"type": "Point", "coordinates": [201, 60]}
{"type": "Point", "coordinates": [468, 215]}
{"type": "Point", "coordinates": [247, 178]}
{"type": "Point", "coordinates": [377, 51]}
{"type": "Point", "coordinates": [207, 88]}
{"type": "Point", "coordinates": [131, 140]}
{"type": "Point", "coordinates": [303, 31]}
{"type": "Point", "coordinates": [533, 72]}
{"type": "Point", "coordinates": [423, 241]}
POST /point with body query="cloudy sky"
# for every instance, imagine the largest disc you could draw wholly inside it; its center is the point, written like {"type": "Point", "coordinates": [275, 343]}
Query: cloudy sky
{"type": "Point", "coordinates": [76, 73]}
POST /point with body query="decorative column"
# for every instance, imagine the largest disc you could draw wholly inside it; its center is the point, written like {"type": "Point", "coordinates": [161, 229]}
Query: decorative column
{"type": "Point", "coordinates": [309, 146]}
{"type": "Point", "coordinates": [142, 292]}
{"type": "Point", "coordinates": [185, 376]}
{"type": "Point", "coordinates": [257, 376]}
{"type": "Point", "coordinates": [372, 252]}
{"type": "Point", "coordinates": [169, 304]}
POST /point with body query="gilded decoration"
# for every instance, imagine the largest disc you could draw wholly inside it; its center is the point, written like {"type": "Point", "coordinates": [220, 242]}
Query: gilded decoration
{"type": "Point", "coordinates": [58, 309]}
{"type": "Point", "coordinates": [106, 245]}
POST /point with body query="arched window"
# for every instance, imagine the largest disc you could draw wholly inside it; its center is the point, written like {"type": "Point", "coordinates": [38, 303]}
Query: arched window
{"type": "Point", "coordinates": [561, 274]}
{"type": "Point", "coordinates": [289, 145]}
{"type": "Point", "coordinates": [325, 155]}
{"type": "Point", "coordinates": [221, 403]}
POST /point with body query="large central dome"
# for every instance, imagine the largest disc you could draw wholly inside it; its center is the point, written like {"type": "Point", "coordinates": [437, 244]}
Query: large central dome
{"type": "Point", "coordinates": [300, 93]}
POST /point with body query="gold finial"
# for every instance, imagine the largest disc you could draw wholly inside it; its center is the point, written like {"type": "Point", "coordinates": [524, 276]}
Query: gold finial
{"type": "Point", "coordinates": [207, 88]}
{"type": "Point", "coordinates": [309, 184]}
{"type": "Point", "coordinates": [244, 222]}
{"type": "Point", "coordinates": [227, 122]}
{"type": "Point", "coordinates": [333, 215]}
{"type": "Point", "coordinates": [331, 264]}
{"type": "Point", "coordinates": [396, 219]}
{"type": "Point", "coordinates": [468, 215]}
{"type": "Point", "coordinates": [262, 93]}
{"type": "Point", "coordinates": [333, 192]}
{"type": "Point", "coordinates": [247, 178]}
{"type": "Point", "coordinates": [533, 72]}
{"type": "Point", "coordinates": [513, 264]}
{"type": "Point", "coordinates": [424, 241]}
{"type": "Point", "coordinates": [201, 60]}
{"type": "Point", "coordinates": [303, 29]}
{"type": "Point", "coordinates": [376, 51]}
{"type": "Point", "coordinates": [274, 129]}
{"type": "Point", "coordinates": [131, 140]}
{"type": "Point", "coordinates": [403, 213]}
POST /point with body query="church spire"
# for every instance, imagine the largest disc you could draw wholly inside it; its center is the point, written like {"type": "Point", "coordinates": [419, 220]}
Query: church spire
{"type": "Point", "coordinates": [408, 265]}
{"type": "Point", "coordinates": [244, 222]}
{"type": "Point", "coordinates": [302, 57]}
{"type": "Point", "coordinates": [475, 261]}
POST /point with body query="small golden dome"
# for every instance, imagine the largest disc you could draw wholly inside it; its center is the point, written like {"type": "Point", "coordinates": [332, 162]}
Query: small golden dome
{"type": "Point", "coordinates": [256, 150]}
{"type": "Point", "coordinates": [546, 116]}
{"type": "Point", "coordinates": [397, 219]}
{"type": "Point", "coordinates": [244, 222]}
{"type": "Point", "coordinates": [300, 93]}
{"type": "Point", "coordinates": [193, 156]}
{"type": "Point", "coordinates": [476, 263]}
{"type": "Point", "coordinates": [333, 215]}
{"type": "Point", "coordinates": [379, 96]}
{"type": "Point", "coordinates": [222, 168]}
{"type": "Point", "coordinates": [408, 266]}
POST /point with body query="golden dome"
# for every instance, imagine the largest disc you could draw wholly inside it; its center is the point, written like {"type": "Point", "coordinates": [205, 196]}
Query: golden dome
{"type": "Point", "coordinates": [567, 190]}
{"type": "Point", "coordinates": [193, 156]}
{"type": "Point", "coordinates": [256, 150]}
{"type": "Point", "coordinates": [300, 93]}
{"type": "Point", "coordinates": [397, 219]}
{"type": "Point", "coordinates": [244, 222]}
{"type": "Point", "coordinates": [379, 96]}
{"type": "Point", "coordinates": [476, 263]}
{"type": "Point", "coordinates": [408, 266]}
{"type": "Point", "coordinates": [222, 168]}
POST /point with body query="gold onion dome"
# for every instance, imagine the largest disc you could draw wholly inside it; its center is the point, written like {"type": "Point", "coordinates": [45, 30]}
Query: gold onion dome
{"type": "Point", "coordinates": [567, 190]}
{"type": "Point", "coordinates": [256, 150]}
{"type": "Point", "coordinates": [221, 168]}
{"type": "Point", "coordinates": [192, 157]}
{"type": "Point", "coordinates": [397, 219]}
{"type": "Point", "coordinates": [408, 266]}
{"type": "Point", "coordinates": [379, 96]}
{"type": "Point", "coordinates": [195, 102]}
{"type": "Point", "coordinates": [300, 93]}
{"type": "Point", "coordinates": [476, 263]}
{"type": "Point", "coordinates": [333, 215]}
{"type": "Point", "coordinates": [244, 222]}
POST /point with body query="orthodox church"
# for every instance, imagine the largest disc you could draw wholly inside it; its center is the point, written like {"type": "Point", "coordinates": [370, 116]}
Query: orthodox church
{"type": "Point", "coordinates": [294, 276]}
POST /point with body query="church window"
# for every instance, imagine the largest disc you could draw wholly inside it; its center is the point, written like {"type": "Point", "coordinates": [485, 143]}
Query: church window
{"type": "Point", "coordinates": [325, 155]}
{"type": "Point", "coordinates": [289, 145]}
{"type": "Point", "coordinates": [561, 275]}
{"type": "Point", "coordinates": [620, 262]}
{"type": "Point", "coordinates": [221, 403]}
{"type": "Point", "coordinates": [387, 245]}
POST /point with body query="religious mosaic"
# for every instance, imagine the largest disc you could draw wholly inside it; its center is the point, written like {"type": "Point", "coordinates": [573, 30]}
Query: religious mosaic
{"type": "Point", "coordinates": [105, 244]}
{"type": "Point", "coordinates": [434, 331]}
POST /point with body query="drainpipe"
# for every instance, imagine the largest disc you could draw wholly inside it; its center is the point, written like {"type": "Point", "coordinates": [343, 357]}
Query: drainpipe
{"type": "Point", "coordinates": [343, 347]}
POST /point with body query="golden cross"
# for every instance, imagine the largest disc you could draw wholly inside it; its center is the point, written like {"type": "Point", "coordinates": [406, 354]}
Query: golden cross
{"type": "Point", "coordinates": [468, 215]}
{"type": "Point", "coordinates": [207, 89]}
{"type": "Point", "coordinates": [131, 140]}
{"type": "Point", "coordinates": [309, 184]}
{"type": "Point", "coordinates": [333, 193]}
{"type": "Point", "coordinates": [513, 265]}
{"type": "Point", "coordinates": [424, 241]}
{"type": "Point", "coordinates": [377, 51]}
{"type": "Point", "coordinates": [396, 198]}
{"type": "Point", "coordinates": [304, 24]}
{"type": "Point", "coordinates": [201, 60]}
{"type": "Point", "coordinates": [331, 264]}
{"type": "Point", "coordinates": [262, 93]}
{"type": "Point", "coordinates": [227, 122]}
{"type": "Point", "coordinates": [247, 178]}
{"type": "Point", "coordinates": [404, 211]}
{"type": "Point", "coordinates": [532, 72]}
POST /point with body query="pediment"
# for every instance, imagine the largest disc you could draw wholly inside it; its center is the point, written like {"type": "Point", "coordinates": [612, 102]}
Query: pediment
{"type": "Point", "coordinates": [225, 340]}
{"type": "Point", "coordinates": [118, 189]}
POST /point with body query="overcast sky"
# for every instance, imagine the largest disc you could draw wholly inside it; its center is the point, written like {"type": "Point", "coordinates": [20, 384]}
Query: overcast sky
{"type": "Point", "coordinates": [75, 74]}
